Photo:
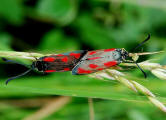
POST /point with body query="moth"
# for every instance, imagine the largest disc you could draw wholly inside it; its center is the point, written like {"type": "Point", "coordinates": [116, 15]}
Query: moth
{"type": "Point", "coordinates": [52, 63]}
{"type": "Point", "coordinates": [97, 60]}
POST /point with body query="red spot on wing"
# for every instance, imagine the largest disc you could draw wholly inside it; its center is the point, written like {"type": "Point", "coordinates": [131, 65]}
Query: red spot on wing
{"type": "Point", "coordinates": [83, 71]}
{"type": "Point", "coordinates": [49, 59]}
{"type": "Point", "coordinates": [65, 59]}
{"type": "Point", "coordinates": [100, 69]}
{"type": "Point", "coordinates": [108, 50]}
{"type": "Point", "coordinates": [50, 71]}
{"type": "Point", "coordinates": [94, 58]}
{"type": "Point", "coordinates": [76, 55]}
{"type": "Point", "coordinates": [67, 69]}
{"type": "Point", "coordinates": [91, 53]}
{"type": "Point", "coordinates": [93, 66]}
{"type": "Point", "coordinates": [60, 55]}
{"type": "Point", "coordinates": [111, 63]}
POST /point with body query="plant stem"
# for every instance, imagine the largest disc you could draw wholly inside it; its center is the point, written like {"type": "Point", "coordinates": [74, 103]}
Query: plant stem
{"type": "Point", "coordinates": [21, 55]}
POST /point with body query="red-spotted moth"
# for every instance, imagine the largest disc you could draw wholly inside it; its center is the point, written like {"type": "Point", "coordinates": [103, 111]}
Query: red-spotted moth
{"type": "Point", "coordinates": [53, 63]}
{"type": "Point", "coordinates": [97, 60]}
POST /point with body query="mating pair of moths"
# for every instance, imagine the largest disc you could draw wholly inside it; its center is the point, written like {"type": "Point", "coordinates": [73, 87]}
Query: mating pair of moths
{"type": "Point", "coordinates": [80, 62]}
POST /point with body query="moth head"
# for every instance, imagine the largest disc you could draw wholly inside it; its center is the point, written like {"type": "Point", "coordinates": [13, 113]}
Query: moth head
{"type": "Point", "coordinates": [124, 54]}
{"type": "Point", "coordinates": [38, 65]}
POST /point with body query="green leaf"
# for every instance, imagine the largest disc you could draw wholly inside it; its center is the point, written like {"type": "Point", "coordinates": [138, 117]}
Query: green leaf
{"type": "Point", "coordinates": [94, 34]}
{"type": "Point", "coordinates": [137, 115]}
{"type": "Point", "coordinates": [5, 42]}
{"type": "Point", "coordinates": [12, 11]}
{"type": "Point", "coordinates": [78, 86]}
{"type": "Point", "coordinates": [61, 11]}
{"type": "Point", "coordinates": [55, 40]}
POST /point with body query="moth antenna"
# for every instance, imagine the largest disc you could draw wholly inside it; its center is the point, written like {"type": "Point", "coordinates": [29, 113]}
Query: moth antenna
{"type": "Point", "coordinates": [143, 42]}
{"type": "Point", "coordinates": [11, 61]}
{"type": "Point", "coordinates": [12, 78]}
{"type": "Point", "coordinates": [145, 75]}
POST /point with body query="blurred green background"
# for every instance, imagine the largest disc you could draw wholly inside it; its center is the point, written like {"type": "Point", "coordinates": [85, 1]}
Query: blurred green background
{"type": "Point", "coordinates": [57, 26]}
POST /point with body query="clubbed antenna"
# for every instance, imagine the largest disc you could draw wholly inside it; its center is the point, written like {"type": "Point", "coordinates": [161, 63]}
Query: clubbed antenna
{"type": "Point", "coordinates": [143, 42]}
{"type": "Point", "coordinates": [135, 56]}
{"type": "Point", "coordinates": [141, 70]}
{"type": "Point", "coordinates": [12, 78]}
{"type": "Point", "coordinates": [11, 61]}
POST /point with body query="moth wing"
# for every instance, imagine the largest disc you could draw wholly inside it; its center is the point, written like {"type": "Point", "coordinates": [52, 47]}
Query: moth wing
{"type": "Point", "coordinates": [91, 66]}
{"type": "Point", "coordinates": [77, 54]}
{"type": "Point", "coordinates": [62, 62]}
{"type": "Point", "coordinates": [94, 61]}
